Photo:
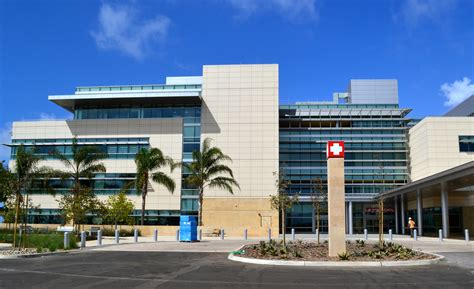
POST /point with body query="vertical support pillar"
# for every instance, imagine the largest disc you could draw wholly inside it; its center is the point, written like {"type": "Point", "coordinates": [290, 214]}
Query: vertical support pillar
{"type": "Point", "coordinates": [444, 210]}
{"type": "Point", "coordinates": [99, 238]}
{"type": "Point", "coordinates": [66, 240]}
{"type": "Point", "coordinates": [336, 205]}
{"type": "Point", "coordinates": [349, 213]}
{"type": "Point", "coordinates": [83, 240]}
{"type": "Point", "coordinates": [395, 199]}
{"type": "Point", "coordinates": [155, 235]}
{"type": "Point", "coordinates": [117, 236]}
{"type": "Point", "coordinates": [419, 212]}
{"type": "Point", "coordinates": [177, 234]}
{"type": "Point", "coordinates": [402, 213]}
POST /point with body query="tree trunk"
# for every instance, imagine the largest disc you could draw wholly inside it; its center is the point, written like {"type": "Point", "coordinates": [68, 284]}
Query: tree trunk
{"type": "Point", "coordinates": [200, 206]}
{"type": "Point", "coordinates": [317, 220]}
{"type": "Point", "coordinates": [26, 221]}
{"type": "Point", "coordinates": [144, 192]}
{"type": "Point", "coordinates": [283, 227]}
{"type": "Point", "coordinates": [381, 223]}
{"type": "Point", "coordinates": [17, 208]}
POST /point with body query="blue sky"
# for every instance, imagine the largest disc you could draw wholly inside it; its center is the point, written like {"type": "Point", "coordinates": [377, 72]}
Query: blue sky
{"type": "Point", "coordinates": [49, 47]}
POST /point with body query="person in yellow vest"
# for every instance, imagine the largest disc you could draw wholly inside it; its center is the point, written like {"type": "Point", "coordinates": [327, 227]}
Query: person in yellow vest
{"type": "Point", "coordinates": [411, 225]}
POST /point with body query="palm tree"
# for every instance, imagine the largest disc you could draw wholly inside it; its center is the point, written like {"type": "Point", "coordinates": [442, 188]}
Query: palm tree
{"type": "Point", "coordinates": [148, 162]}
{"type": "Point", "coordinates": [207, 171]}
{"type": "Point", "coordinates": [26, 170]}
{"type": "Point", "coordinates": [84, 163]}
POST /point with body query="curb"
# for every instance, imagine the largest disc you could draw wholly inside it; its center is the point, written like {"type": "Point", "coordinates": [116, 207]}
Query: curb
{"type": "Point", "coordinates": [424, 262]}
{"type": "Point", "coordinates": [37, 255]}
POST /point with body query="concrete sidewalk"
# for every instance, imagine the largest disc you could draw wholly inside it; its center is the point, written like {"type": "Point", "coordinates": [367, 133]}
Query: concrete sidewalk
{"type": "Point", "coordinates": [213, 244]}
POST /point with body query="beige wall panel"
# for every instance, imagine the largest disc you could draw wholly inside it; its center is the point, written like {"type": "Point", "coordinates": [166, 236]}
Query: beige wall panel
{"type": "Point", "coordinates": [434, 145]}
{"type": "Point", "coordinates": [165, 134]}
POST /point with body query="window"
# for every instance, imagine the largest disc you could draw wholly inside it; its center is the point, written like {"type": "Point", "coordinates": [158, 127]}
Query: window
{"type": "Point", "coordinates": [466, 143]}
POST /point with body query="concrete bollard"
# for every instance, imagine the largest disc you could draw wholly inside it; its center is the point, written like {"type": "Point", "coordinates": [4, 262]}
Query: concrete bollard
{"type": "Point", "coordinates": [293, 234]}
{"type": "Point", "coordinates": [390, 235]}
{"type": "Point", "coordinates": [117, 236]}
{"type": "Point", "coordinates": [415, 235]}
{"type": "Point", "coordinates": [66, 240]}
{"type": "Point", "coordinates": [177, 234]}
{"type": "Point", "coordinates": [200, 235]}
{"type": "Point", "coordinates": [440, 235]}
{"type": "Point", "coordinates": [155, 235]}
{"type": "Point", "coordinates": [99, 238]}
{"type": "Point", "coordinates": [135, 235]}
{"type": "Point", "coordinates": [222, 234]}
{"type": "Point", "coordinates": [83, 240]}
{"type": "Point", "coordinates": [269, 234]}
{"type": "Point", "coordinates": [366, 236]}
{"type": "Point", "coordinates": [466, 235]}
{"type": "Point", "coordinates": [245, 234]}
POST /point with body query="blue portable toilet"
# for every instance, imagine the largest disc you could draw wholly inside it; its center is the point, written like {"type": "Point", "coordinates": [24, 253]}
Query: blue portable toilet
{"type": "Point", "coordinates": [187, 228]}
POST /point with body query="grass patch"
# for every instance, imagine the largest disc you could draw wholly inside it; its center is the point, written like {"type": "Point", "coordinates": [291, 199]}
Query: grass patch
{"type": "Point", "coordinates": [50, 241]}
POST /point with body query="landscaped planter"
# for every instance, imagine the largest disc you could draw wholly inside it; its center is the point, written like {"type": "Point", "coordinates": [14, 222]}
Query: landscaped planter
{"type": "Point", "coordinates": [312, 254]}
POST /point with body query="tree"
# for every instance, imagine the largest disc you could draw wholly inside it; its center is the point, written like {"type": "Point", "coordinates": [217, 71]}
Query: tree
{"type": "Point", "coordinates": [118, 209]}
{"type": "Point", "coordinates": [208, 171]}
{"type": "Point", "coordinates": [75, 207]}
{"type": "Point", "coordinates": [148, 162]}
{"type": "Point", "coordinates": [282, 202]}
{"type": "Point", "coordinates": [6, 180]}
{"type": "Point", "coordinates": [380, 202]}
{"type": "Point", "coordinates": [319, 198]}
{"type": "Point", "coordinates": [26, 171]}
{"type": "Point", "coordinates": [80, 167]}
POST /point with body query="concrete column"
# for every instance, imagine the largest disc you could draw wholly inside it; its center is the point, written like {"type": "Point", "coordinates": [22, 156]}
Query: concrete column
{"type": "Point", "coordinates": [336, 207]}
{"type": "Point", "coordinates": [419, 212]}
{"type": "Point", "coordinates": [395, 201]}
{"type": "Point", "coordinates": [444, 210]}
{"type": "Point", "coordinates": [349, 213]}
{"type": "Point", "coordinates": [402, 212]}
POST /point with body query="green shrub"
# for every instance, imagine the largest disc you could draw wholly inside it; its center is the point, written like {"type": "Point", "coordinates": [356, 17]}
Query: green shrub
{"type": "Point", "coordinates": [39, 249]}
{"type": "Point", "coordinates": [52, 247]}
{"type": "Point", "coordinates": [122, 232]}
{"type": "Point", "coordinates": [343, 256]}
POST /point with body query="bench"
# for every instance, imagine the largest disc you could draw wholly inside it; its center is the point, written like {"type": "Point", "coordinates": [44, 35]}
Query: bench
{"type": "Point", "coordinates": [213, 233]}
{"type": "Point", "coordinates": [64, 229]}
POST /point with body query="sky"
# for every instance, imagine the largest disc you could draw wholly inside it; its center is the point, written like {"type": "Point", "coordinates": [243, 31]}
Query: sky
{"type": "Point", "coordinates": [50, 47]}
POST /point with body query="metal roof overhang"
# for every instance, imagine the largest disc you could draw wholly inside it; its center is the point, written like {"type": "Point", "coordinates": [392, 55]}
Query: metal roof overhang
{"type": "Point", "coordinates": [70, 102]}
{"type": "Point", "coordinates": [457, 177]}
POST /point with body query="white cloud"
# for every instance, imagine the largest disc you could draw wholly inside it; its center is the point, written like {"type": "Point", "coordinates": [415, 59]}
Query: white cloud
{"type": "Point", "coordinates": [412, 12]}
{"type": "Point", "coordinates": [47, 116]}
{"type": "Point", "coordinates": [121, 28]}
{"type": "Point", "coordinates": [5, 138]}
{"type": "Point", "coordinates": [457, 91]}
{"type": "Point", "coordinates": [297, 11]}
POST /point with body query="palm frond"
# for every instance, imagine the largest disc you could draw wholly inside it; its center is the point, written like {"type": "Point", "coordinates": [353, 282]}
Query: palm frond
{"type": "Point", "coordinates": [163, 179]}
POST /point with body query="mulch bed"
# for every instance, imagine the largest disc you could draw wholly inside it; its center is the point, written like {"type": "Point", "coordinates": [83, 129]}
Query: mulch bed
{"type": "Point", "coordinates": [311, 251]}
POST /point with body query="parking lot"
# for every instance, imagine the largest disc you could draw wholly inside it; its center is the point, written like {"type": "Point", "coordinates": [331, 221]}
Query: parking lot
{"type": "Point", "coordinates": [128, 269]}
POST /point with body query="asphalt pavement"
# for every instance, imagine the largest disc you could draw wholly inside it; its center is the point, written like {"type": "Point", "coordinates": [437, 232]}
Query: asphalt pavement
{"type": "Point", "coordinates": [114, 269]}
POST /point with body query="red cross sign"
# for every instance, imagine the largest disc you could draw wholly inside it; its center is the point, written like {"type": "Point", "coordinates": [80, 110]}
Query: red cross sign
{"type": "Point", "coordinates": [335, 149]}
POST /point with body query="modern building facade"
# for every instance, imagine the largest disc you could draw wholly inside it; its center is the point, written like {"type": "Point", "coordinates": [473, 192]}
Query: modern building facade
{"type": "Point", "coordinates": [235, 105]}
{"type": "Point", "coordinates": [441, 194]}
{"type": "Point", "coordinates": [375, 133]}
{"type": "Point", "coordinates": [238, 107]}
